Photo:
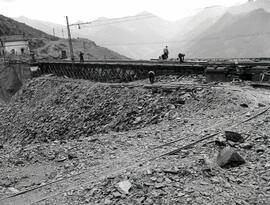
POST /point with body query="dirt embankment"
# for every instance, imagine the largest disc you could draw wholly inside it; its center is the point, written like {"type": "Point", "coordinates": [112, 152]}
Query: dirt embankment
{"type": "Point", "coordinates": [64, 126]}
{"type": "Point", "coordinates": [12, 78]}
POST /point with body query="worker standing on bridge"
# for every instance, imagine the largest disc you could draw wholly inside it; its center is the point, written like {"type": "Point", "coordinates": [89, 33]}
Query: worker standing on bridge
{"type": "Point", "coordinates": [81, 57]}
{"type": "Point", "coordinates": [165, 53]}
{"type": "Point", "coordinates": [181, 57]}
{"type": "Point", "coordinates": [151, 75]}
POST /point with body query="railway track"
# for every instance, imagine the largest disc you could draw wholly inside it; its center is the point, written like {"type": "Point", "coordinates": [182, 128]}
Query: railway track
{"type": "Point", "coordinates": [229, 62]}
{"type": "Point", "coordinates": [99, 172]}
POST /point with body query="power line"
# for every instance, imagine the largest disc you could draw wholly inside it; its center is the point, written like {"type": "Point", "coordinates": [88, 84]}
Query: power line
{"type": "Point", "coordinates": [112, 21]}
{"type": "Point", "coordinates": [191, 40]}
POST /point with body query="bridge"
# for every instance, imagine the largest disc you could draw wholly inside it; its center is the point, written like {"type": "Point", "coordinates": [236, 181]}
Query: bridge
{"type": "Point", "coordinates": [115, 71]}
{"type": "Point", "coordinates": [126, 71]}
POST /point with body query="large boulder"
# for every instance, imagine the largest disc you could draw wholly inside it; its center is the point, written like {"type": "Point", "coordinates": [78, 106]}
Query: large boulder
{"type": "Point", "coordinates": [228, 157]}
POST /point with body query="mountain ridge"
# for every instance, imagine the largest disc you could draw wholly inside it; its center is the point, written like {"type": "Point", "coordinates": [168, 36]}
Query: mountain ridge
{"type": "Point", "coordinates": [145, 39]}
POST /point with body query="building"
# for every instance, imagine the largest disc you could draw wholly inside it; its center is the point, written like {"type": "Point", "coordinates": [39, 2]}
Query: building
{"type": "Point", "coordinates": [16, 44]}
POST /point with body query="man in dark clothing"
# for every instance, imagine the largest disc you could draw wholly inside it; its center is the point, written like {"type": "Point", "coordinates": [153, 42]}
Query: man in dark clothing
{"type": "Point", "coordinates": [165, 53]}
{"type": "Point", "coordinates": [81, 57]}
{"type": "Point", "coordinates": [151, 75]}
{"type": "Point", "coordinates": [181, 57]}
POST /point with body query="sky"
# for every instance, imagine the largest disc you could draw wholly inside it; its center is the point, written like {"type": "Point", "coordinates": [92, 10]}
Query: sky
{"type": "Point", "coordinates": [89, 10]}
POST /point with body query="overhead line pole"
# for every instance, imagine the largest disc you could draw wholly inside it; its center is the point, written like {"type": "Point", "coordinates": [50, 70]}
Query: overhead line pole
{"type": "Point", "coordinates": [70, 41]}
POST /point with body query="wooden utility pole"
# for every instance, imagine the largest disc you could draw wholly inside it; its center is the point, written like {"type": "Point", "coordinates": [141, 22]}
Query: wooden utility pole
{"type": "Point", "coordinates": [70, 41]}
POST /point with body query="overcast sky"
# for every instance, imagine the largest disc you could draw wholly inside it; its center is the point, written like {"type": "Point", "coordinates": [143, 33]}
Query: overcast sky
{"type": "Point", "coordinates": [88, 10]}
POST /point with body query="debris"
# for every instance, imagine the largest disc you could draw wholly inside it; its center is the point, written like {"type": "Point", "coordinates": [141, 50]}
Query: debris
{"type": "Point", "coordinates": [228, 157]}
{"type": "Point", "coordinates": [234, 136]}
{"type": "Point", "coordinates": [125, 186]}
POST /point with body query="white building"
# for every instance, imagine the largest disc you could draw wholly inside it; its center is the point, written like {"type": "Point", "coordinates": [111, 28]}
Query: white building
{"type": "Point", "coordinates": [16, 44]}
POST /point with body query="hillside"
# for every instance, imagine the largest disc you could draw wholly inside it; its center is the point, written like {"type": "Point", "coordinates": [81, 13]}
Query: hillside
{"type": "Point", "coordinates": [46, 45]}
{"type": "Point", "coordinates": [90, 49]}
{"type": "Point", "coordinates": [9, 26]}
{"type": "Point", "coordinates": [242, 35]}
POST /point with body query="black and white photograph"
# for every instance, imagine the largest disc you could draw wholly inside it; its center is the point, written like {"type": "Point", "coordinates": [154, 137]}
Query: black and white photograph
{"type": "Point", "coordinates": [135, 102]}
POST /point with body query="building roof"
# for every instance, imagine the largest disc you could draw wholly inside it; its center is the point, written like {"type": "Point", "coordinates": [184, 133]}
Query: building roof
{"type": "Point", "coordinates": [13, 38]}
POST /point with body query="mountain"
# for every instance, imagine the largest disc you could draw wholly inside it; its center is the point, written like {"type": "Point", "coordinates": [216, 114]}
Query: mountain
{"type": "Point", "coordinates": [234, 35]}
{"type": "Point", "coordinates": [250, 6]}
{"type": "Point", "coordinates": [9, 26]}
{"type": "Point", "coordinates": [134, 36]}
{"type": "Point", "coordinates": [191, 27]}
{"type": "Point", "coordinates": [144, 35]}
{"type": "Point", "coordinates": [45, 26]}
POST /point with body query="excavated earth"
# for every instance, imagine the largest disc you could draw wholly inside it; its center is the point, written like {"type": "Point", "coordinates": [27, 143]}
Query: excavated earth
{"type": "Point", "coordinates": [67, 141]}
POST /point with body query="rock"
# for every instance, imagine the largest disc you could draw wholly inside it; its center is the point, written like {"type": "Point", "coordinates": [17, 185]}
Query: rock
{"type": "Point", "coordinates": [261, 105]}
{"type": "Point", "coordinates": [6, 182]}
{"type": "Point", "coordinates": [215, 180]}
{"type": "Point", "coordinates": [159, 185]}
{"type": "Point", "coordinates": [228, 157]}
{"type": "Point", "coordinates": [107, 201]}
{"type": "Point", "coordinates": [140, 200]}
{"type": "Point", "coordinates": [267, 165]}
{"type": "Point", "coordinates": [72, 155]}
{"type": "Point", "coordinates": [116, 194]}
{"type": "Point", "coordinates": [185, 121]}
{"type": "Point", "coordinates": [220, 141]}
{"type": "Point", "coordinates": [148, 201]}
{"type": "Point", "coordinates": [61, 159]}
{"type": "Point", "coordinates": [234, 136]}
{"type": "Point", "coordinates": [248, 114]}
{"type": "Point", "coordinates": [137, 120]}
{"type": "Point", "coordinates": [12, 189]}
{"type": "Point", "coordinates": [246, 145]}
{"type": "Point", "coordinates": [261, 149]}
{"type": "Point", "coordinates": [244, 105]}
{"type": "Point", "coordinates": [231, 143]}
{"type": "Point", "coordinates": [125, 186]}
{"type": "Point", "coordinates": [18, 162]}
{"type": "Point", "coordinates": [181, 194]}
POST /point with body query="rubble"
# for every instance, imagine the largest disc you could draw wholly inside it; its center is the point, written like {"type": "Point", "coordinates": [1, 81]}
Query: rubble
{"type": "Point", "coordinates": [57, 128]}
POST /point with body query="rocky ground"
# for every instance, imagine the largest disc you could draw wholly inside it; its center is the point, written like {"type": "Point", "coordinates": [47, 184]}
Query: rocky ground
{"type": "Point", "coordinates": [76, 142]}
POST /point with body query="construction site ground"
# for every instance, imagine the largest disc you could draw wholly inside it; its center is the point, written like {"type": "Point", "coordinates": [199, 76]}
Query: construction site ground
{"type": "Point", "coordinates": [66, 141]}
